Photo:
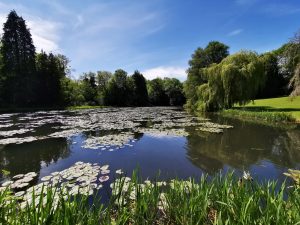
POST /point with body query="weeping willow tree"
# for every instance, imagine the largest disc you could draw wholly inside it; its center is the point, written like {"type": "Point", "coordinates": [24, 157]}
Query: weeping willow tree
{"type": "Point", "coordinates": [295, 82]}
{"type": "Point", "coordinates": [236, 80]}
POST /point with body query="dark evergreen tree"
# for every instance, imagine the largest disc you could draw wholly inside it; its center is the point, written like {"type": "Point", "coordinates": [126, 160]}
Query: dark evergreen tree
{"type": "Point", "coordinates": [18, 58]}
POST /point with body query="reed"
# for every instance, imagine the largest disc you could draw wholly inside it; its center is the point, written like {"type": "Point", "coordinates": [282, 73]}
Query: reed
{"type": "Point", "coordinates": [220, 200]}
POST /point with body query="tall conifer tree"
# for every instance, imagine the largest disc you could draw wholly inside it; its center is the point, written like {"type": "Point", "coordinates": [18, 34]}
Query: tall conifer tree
{"type": "Point", "coordinates": [18, 59]}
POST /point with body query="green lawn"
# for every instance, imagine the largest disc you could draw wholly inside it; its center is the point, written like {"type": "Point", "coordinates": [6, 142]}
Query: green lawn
{"type": "Point", "coordinates": [284, 104]}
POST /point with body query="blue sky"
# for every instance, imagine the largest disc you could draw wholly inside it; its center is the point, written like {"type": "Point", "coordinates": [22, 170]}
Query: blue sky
{"type": "Point", "coordinates": [156, 37]}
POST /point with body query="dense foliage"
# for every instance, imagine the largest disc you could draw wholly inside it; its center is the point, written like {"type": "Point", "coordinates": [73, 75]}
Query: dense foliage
{"type": "Point", "coordinates": [30, 79]}
{"type": "Point", "coordinates": [214, 52]}
{"type": "Point", "coordinates": [235, 80]}
{"type": "Point", "coordinates": [217, 80]}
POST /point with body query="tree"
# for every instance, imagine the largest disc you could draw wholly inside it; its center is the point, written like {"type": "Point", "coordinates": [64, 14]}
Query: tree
{"type": "Point", "coordinates": [275, 83]}
{"type": "Point", "coordinates": [116, 93]}
{"type": "Point", "coordinates": [71, 92]}
{"type": "Point", "coordinates": [174, 90]}
{"type": "Point", "coordinates": [214, 52]}
{"type": "Point", "coordinates": [295, 82]}
{"type": "Point", "coordinates": [18, 59]}
{"type": "Point", "coordinates": [102, 79]}
{"type": "Point", "coordinates": [157, 95]}
{"type": "Point", "coordinates": [293, 64]}
{"type": "Point", "coordinates": [236, 79]}
{"type": "Point", "coordinates": [89, 88]}
{"type": "Point", "coordinates": [140, 93]}
{"type": "Point", "coordinates": [50, 70]}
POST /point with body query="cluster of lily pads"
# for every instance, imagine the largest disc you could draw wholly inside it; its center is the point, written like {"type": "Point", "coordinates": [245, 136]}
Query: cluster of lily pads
{"type": "Point", "coordinates": [163, 132]}
{"type": "Point", "coordinates": [157, 121]}
{"type": "Point", "coordinates": [213, 127]}
{"type": "Point", "coordinates": [110, 142]}
{"type": "Point", "coordinates": [19, 181]}
{"type": "Point", "coordinates": [81, 178]}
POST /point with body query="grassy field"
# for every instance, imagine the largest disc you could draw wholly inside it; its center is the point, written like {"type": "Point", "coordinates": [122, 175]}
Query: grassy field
{"type": "Point", "coordinates": [223, 200]}
{"type": "Point", "coordinates": [284, 109]}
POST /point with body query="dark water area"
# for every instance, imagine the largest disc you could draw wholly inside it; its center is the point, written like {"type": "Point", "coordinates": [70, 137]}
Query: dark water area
{"type": "Point", "coordinates": [44, 142]}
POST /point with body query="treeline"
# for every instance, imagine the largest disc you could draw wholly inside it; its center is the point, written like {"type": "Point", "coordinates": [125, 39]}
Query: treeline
{"type": "Point", "coordinates": [217, 80]}
{"type": "Point", "coordinates": [119, 89]}
{"type": "Point", "coordinates": [30, 79]}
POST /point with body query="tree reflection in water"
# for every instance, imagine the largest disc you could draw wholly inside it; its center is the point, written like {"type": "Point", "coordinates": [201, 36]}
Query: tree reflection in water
{"type": "Point", "coordinates": [245, 145]}
{"type": "Point", "coordinates": [29, 157]}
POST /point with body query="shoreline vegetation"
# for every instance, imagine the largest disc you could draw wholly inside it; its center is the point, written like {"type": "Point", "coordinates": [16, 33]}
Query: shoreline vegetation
{"type": "Point", "coordinates": [275, 110]}
{"type": "Point", "coordinates": [220, 200]}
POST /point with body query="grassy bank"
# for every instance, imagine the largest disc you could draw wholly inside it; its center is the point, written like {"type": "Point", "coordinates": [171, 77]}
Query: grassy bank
{"type": "Point", "coordinates": [283, 109]}
{"type": "Point", "coordinates": [223, 200]}
{"type": "Point", "coordinates": [85, 107]}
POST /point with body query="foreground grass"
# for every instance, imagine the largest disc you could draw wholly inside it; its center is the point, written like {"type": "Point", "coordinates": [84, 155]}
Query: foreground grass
{"type": "Point", "coordinates": [283, 109]}
{"type": "Point", "coordinates": [223, 200]}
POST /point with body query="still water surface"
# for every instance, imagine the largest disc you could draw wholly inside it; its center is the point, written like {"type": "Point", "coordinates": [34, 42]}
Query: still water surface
{"type": "Point", "coordinates": [45, 142]}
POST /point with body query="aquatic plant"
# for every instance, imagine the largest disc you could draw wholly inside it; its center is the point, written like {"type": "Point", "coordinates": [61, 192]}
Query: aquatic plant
{"type": "Point", "coordinates": [116, 125]}
{"type": "Point", "coordinates": [219, 200]}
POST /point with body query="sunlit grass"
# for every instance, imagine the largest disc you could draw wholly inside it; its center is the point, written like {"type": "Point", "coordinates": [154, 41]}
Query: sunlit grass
{"type": "Point", "coordinates": [266, 116]}
{"type": "Point", "coordinates": [287, 105]}
{"type": "Point", "coordinates": [222, 200]}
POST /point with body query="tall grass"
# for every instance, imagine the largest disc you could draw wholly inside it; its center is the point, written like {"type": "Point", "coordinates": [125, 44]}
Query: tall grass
{"type": "Point", "coordinates": [265, 116]}
{"type": "Point", "coordinates": [222, 200]}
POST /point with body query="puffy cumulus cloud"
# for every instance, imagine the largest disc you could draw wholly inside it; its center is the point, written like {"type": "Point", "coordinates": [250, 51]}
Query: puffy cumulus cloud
{"type": "Point", "coordinates": [165, 71]}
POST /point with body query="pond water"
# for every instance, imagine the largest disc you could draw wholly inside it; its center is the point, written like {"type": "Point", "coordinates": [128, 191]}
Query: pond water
{"type": "Point", "coordinates": [156, 140]}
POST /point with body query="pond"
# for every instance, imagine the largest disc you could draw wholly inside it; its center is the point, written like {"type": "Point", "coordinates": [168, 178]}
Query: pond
{"type": "Point", "coordinates": [157, 140]}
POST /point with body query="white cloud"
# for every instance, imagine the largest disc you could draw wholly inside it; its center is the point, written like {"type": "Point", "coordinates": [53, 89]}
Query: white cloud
{"type": "Point", "coordinates": [165, 71]}
{"type": "Point", "coordinates": [235, 32]}
{"type": "Point", "coordinates": [45, 33]}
